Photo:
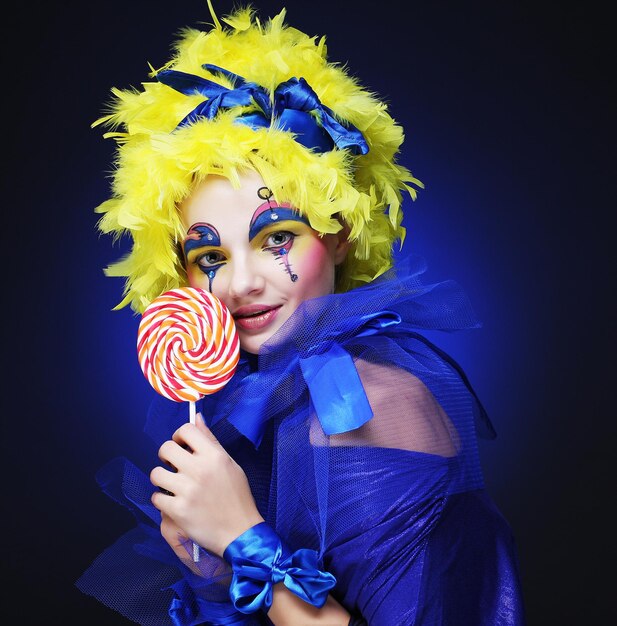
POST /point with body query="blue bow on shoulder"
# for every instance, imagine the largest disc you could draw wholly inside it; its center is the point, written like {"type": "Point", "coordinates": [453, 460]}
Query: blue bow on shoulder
{"type": "Point", "coordinates": [328, 371]}
{"type": "Point", "coordinates": [294, 107]}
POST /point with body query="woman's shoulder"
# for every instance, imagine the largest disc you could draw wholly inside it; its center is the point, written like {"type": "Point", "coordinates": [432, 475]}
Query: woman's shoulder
{"type": "Point", "coordinates": [406, 415]}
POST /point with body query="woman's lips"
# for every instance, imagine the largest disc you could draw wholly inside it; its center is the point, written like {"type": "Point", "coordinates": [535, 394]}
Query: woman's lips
{"type": "Point", "coordinates": [246, 319]}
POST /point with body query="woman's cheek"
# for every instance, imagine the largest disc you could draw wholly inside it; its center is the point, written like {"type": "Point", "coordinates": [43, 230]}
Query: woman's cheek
{"type": "Point", "coordinates": [313, 265]}
{"type": "Point", "coordinates": [193, 277]}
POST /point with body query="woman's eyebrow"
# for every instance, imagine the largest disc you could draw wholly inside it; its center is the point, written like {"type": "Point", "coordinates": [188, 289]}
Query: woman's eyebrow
{"type": "Point", "coordinates": [268, 213]}
{"type": "Point", "coordinates": [199, 235]}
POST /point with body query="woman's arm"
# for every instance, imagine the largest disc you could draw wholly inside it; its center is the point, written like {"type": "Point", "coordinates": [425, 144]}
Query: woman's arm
{"type": "Point", "coordinates": [289, 610]}
{"type": "Point", "coordinates": [207, 498]}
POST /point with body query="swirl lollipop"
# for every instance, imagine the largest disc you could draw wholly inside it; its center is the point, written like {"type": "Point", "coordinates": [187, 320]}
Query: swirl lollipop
{"type": "Point", "coordinates": [187, 344]}
{"type": "Point", "coordinates": [187, 347]}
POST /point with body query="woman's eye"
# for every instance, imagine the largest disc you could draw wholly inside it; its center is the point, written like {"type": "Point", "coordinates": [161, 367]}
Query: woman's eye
{"type": "Point", "coordinates": [210, 258]}
{"type": "Point", "coordinates": [279, 238]}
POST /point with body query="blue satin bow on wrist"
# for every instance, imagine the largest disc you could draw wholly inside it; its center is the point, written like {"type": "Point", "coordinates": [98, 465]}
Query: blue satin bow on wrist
{"type": "Point", "coordinates": [294, 107]}
{"type": "Point", "coordinates": [260, 560]}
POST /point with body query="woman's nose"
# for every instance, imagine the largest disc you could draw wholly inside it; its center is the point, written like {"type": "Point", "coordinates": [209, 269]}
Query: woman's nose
{"type": "Point", "coordinates": [246, 278]}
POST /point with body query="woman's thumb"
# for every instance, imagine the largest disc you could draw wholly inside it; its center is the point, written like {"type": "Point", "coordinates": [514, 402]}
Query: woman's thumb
{"type": "Point", "coordinates": [201, 425]}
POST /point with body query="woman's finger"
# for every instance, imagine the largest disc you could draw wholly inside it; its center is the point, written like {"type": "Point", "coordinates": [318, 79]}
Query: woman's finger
{"type": "Point", "coordinates": [201, 425]}
{"type": "Point", "coordinates": [174, 455]}
{"type": "Point", "coordinates": [196, 437]}
{"type": "Point", "coordinates": [165, 480]}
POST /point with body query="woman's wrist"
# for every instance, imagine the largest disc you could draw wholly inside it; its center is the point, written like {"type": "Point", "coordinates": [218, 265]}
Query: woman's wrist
{"type": "Point", "coordinates": [237, 531]}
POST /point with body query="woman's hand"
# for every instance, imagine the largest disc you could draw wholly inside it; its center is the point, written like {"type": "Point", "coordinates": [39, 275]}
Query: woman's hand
{"type": "Point", "coordinates": [179, 543]}
{"type": "Point", "coordinates": [209, 499]}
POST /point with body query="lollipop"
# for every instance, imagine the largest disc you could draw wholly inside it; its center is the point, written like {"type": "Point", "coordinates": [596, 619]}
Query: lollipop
{"type": "Point", "coordinates": [187, 344]}
{"type": "Point", "coordinates": [187, 347]}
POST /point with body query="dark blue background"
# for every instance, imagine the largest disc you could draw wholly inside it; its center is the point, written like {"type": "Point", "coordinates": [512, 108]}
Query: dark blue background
{"type": "Point", "coordinates": [509, 124]}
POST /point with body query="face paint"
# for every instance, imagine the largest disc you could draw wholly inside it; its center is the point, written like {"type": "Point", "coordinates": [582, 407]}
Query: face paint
{"type": "Point", "coordinates": [249, 280]}
{"type": "Point", "coordinates": [268, 213]}
{"type": "Point", "coordinates": [282, 254]}
{"type": "Point", "coordinates": [201, 235]}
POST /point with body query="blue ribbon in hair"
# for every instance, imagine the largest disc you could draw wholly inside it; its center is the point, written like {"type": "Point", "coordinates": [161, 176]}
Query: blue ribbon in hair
{"type": "Point", "coordinates": [294, 107]}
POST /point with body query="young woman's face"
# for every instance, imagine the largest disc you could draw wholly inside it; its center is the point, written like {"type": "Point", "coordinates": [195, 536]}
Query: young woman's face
{"type": "Point", "coordinates": [260, 258]}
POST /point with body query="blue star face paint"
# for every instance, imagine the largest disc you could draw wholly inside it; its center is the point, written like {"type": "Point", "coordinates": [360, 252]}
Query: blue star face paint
{"type": "Point", "coordinates": [200, 248]}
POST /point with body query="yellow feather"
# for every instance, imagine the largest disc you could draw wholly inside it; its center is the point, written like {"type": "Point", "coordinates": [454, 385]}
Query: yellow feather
{"type": "Point", "coordinates": [156, 163]}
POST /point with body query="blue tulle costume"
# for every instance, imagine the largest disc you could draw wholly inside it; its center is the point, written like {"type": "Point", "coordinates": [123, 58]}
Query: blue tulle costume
{"type": "Point", "coordinates": [359, 440]}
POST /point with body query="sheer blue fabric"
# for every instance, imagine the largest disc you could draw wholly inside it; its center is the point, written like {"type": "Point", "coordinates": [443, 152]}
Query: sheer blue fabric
{"type": "Point", "coordinates": [359, 440]}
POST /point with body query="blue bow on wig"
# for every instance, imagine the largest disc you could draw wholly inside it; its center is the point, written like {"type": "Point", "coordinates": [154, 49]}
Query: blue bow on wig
{"type": "Point", "coordinates": [295, 107]}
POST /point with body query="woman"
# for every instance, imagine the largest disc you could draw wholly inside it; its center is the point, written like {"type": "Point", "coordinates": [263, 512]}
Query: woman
{"type": "Point", "coordinates": [336, 478]}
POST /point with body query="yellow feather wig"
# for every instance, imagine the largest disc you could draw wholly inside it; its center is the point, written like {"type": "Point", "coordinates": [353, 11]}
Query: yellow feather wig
{"type": "Point", "coordinates": [158, 162]}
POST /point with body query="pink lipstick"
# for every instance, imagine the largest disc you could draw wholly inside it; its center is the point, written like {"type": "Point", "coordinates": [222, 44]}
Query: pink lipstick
{"type": "Point", "coordinates": [255, 316]}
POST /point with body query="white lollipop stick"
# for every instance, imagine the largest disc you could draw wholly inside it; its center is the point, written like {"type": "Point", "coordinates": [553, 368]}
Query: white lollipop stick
{"type": "Point", "coordinates": [192, 421]}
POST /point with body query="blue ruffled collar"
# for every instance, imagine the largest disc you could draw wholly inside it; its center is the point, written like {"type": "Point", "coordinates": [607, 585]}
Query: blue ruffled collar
{"type": "Point", "coordinates": [307, 355]}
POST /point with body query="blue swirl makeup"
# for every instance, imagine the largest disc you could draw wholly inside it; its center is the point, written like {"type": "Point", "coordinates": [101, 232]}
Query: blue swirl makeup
{"type": "Point", "coordinates": [270, 213]}
{"type": "Point", "coordinates": [201, 235]}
